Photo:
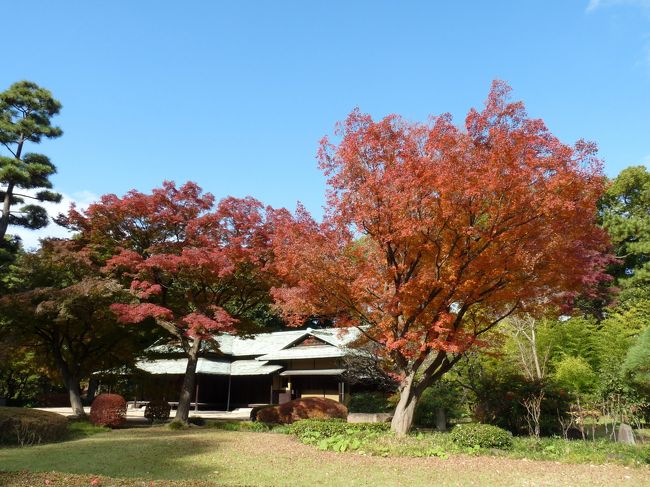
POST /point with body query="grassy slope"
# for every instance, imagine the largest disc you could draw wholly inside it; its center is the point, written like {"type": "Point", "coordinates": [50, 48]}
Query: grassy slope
{"type": "Point", "coordinates": [232, 458]}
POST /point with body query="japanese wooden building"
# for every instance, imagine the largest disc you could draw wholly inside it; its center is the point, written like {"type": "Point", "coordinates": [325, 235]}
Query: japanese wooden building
{"type": "Point", "coordinates": [266, 368]}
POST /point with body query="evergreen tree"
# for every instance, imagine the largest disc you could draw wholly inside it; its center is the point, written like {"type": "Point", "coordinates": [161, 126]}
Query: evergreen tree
{"type": "Point", "coordinates": [625, 214]}
{"type": "Point", "coordinates": [25, 113]}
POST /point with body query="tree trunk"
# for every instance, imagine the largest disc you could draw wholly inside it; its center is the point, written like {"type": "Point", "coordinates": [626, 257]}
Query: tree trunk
{"type": "Point", "coordinates": [405, 410]}
{"type": "Point", "coordinates": [185, 399]}
{"type": "Point", "coordinates": [6, 204]}
{"type": "Point", "coordinates": [74, 391]}
{"type": "Point", "coordinates": [6, 209]}
{"type": "Point", "coordinates": [71, 382]}
{"type": "Point", "coordinates": [92, 390]}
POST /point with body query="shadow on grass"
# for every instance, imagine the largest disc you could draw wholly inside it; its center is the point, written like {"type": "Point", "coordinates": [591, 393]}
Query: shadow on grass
{"type": "Point", "coordinates": [153, 453]}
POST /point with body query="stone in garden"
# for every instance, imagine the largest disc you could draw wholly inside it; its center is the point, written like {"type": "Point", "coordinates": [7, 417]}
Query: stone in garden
{"type": "Point", "coordinates": [369, 417]}
{"type": "Point", "coordinates": [625, 434]}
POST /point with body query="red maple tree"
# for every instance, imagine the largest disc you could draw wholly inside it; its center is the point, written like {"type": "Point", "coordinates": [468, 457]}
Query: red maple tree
{"type": "Point", "coordinates": [196, 269]}
{"type": "Point", "coordinates": [434, 233]}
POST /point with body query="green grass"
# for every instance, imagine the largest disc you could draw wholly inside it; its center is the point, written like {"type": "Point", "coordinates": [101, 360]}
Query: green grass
{"type": "Point", "coordinates": [210, 456]}
{"type": "Point", "coordinates": [577, 451]}
{"type": "Point", "coordinates": [82, 429]}
{"type": "Point", "coordinates": [441, 445]}
{"type": "Point", "coordinates": [148, 452]}
{"type": "Point", "coordinates": [549, 449]}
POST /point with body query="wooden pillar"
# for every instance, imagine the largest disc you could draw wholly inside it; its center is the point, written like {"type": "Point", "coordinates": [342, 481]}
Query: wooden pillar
{"type": "Point", "coordinates": [228, 400]}
{"type": "Point", "coordinates": [196, 397]}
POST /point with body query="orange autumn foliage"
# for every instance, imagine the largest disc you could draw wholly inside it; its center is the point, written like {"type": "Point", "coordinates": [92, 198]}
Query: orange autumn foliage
{"type": "Point", "coordinates": [434, 233]}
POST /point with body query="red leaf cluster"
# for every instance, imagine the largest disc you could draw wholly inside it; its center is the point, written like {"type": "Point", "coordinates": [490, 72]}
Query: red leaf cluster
{"type": "Point", "coordinates": [433, 232]}
{"type": "Point", "coordinates": [136, 313]}
{"type": "Point", "coordinates": [177, 251]}
{"type": "Point", "coordinates": [199, 324]}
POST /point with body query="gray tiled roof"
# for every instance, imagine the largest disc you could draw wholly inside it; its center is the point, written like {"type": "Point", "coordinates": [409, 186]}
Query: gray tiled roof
{"type": "Point", "coordinates": [297, 353]}
{"type": "Point", "coordinates": [260, 348]}
{"type": "Point", "coordinates": [177, 366]}
{"type": "Point", "coordinates": [208, 366]}
{"type": "Point", "coordinates": [252, 367]}
{"type": "Point", "coordinates": [265, 343]}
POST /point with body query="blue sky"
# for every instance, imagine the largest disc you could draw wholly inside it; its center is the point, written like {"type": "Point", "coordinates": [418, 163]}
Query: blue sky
{"type": "Point", "coordinates": [236, 95]}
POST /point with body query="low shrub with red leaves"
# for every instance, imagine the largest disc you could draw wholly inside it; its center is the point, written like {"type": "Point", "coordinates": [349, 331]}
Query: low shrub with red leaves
{"type": "Point", "coordinates": [108, 410]}
{"type": "Point", "coordinates": [305, 408]}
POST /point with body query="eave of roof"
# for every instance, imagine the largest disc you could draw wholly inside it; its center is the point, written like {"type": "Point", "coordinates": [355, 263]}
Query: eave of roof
{"type": "Point", "coordinates": [298, 353]}
{"type": "Point", "coordinates": [290, 373]}
{"type": "Point", "coordinates": [208, 367]}
{"type": "Point", "coordinates": [252, 367]}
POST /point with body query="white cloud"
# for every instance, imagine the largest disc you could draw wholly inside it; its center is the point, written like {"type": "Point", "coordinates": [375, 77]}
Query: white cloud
{"type": "Point", "coordinates": [596, 4]}
{"type": "Point", "coordinates": [593, 5]}
{"type": "Point", "coordinates": [30, 238]}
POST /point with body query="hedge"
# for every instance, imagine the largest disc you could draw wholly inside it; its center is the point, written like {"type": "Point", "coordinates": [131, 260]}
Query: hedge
{"type": "Point", "coordinates": [369, 402]}
{"type": "Point", "coordinates": [108, 410]}
{"type": "Point", "coordinates": [304, 408]}
{"type": "Point", "coordinates": [22, 426]}
{"type": "Point", "coordinates": [481, 435]}
{"type": "Point", "coordinates": [332, 427]}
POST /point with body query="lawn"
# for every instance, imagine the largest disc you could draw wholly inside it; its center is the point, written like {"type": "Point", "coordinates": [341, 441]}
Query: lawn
{"type": "Point", "coordinates": [197, 457]}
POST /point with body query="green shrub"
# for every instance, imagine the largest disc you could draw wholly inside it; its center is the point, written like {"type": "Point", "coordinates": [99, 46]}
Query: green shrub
{"type": "Point", "coordinates": [575, 374]}
{"type": "Point", "coordinates": [332, 427]}
{"type": "Point", "coordinates": [369, 402]}
{"type": "Point", "coordinates": [570, 451]}
{"type": "Point", "coordinates": [444, 395]}
{"type": "Point", "coordinates": [157, 410]}
{"type": "Point", "coordinates": [177, 425]}
{"type": "Point", "coordinates": [337, 435]}
{"type": "Point", "coordinates": [191, 421]}
{"type": "Point", "coordinates": [482, 435]}
{"type": "Point", "coordinates": [499, 401]}
{"type": "Point", "coordinates": [21, 426]}
{"type": "Point", "coordinates": [224, 425]}
{"type": "Point", "coordinates": [196, 421]}
{"type": "Point", "coordinates": [280, 428]}
{"type": "Point", "coordinates": [108, 410]}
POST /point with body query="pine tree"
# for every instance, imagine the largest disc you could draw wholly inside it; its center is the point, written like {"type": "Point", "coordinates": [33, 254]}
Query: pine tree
{"type": "Point", "coordinates": [25, 113]}
{"type": "Point", "coordinates": [625, 214]}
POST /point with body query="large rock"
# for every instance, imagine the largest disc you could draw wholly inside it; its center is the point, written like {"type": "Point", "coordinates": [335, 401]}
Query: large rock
{"type": "Point", "coordinates": [625, 435]}
{"type": "Point", "coordinates": [369, 417]}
